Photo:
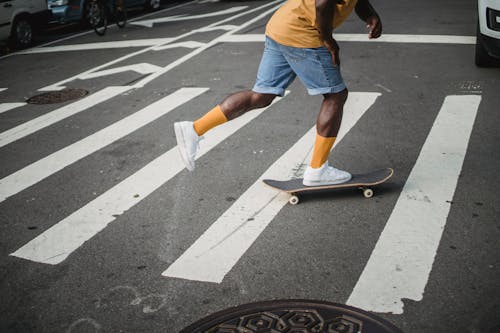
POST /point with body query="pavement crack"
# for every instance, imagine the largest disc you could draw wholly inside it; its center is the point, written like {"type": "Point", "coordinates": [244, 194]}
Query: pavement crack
{"type": "Point", "coordinates": [250, 219]}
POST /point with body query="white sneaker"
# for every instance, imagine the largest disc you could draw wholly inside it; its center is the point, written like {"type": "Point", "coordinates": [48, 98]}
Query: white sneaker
{"type": "Point", "coordinates": [325, 175]}
{"type": "Point", "coordinates": [188, 142]}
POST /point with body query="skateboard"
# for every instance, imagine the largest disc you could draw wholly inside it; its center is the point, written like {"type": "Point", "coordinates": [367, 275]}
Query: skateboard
{"type": "Point", "coordinates": [362, 181]}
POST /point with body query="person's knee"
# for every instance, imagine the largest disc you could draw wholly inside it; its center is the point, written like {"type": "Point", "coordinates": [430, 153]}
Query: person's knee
{"type": "Point", "coordinates": [337, 99]}
{"type": "Point", "coordinates": [262, 100]}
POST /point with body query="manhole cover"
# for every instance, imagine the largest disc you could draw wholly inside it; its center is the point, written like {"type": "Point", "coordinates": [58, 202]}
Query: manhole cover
{"type": "Point", "coordinates": [52, 97]}
{"type": "Point", "coordinates": [292, 316]}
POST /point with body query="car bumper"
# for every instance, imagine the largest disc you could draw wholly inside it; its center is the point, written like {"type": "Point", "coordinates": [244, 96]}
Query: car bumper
{"type": "Point", "coordinates": [491, 45]}
{"type": "Point", "coordinates": [489, 18]}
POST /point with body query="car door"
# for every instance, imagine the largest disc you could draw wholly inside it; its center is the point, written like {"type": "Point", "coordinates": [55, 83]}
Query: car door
{"type": "Point", "coordinates": [6, 11]}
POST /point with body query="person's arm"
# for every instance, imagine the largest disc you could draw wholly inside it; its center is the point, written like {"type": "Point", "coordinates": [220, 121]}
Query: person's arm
{"type": "Point", "coordinates": [324, 19]}
{"type": "Point", "coordinates": [367, 13]}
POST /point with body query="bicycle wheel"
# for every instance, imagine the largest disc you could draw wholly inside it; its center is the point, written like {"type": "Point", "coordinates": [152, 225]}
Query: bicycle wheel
{"type": "Point", "coordinates": [97, 17]}
{"type": "Point", "coordinates": [120, 16]}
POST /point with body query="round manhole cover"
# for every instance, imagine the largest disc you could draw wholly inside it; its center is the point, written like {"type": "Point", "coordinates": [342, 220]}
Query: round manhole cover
{"type": "Point", "coordinates": [60, 96]}
{"type": "Point", "coordinates": [292, 316]}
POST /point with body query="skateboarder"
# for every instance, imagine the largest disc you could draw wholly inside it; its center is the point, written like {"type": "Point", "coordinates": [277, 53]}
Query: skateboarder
{"type": "Point", "coordinates": [299, 42]}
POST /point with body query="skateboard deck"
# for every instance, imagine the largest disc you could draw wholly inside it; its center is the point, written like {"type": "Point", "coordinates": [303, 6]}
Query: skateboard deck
{"type": "Point", "coordinates": [362, 181]}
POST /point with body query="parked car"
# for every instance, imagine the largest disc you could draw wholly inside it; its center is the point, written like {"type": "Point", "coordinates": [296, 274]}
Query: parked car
{"type": "Point", "coordinates": [20, 19]}
{"type": "Point", "coordinates": [65, 11]}
{"type": "Point", "coordinates": [488, 33]}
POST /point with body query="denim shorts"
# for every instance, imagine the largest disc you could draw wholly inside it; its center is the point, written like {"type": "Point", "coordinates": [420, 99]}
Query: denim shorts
{"type": "Point", "coordinates": [280, 65]}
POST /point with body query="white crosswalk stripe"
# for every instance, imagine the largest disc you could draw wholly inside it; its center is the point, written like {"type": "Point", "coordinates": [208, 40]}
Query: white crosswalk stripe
{"type": "Point", "coordinates": [57, 115]}
{"type": "Point", "coordinates": [4, 107]}
{"type": "Point", "coordinates": [401, 262]}
{"type": "Point", "coordinates": [58, 242]}
{"type": "Point", "coordinates": [389, 275]}
{"type": "Point", "coordinates": [212, 256]}
{"type": "Point", "coordinates": [49, 165]}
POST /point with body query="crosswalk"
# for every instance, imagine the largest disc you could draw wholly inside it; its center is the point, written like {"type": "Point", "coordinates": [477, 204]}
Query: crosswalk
{"type": "Point", "coordinates": [426, 194]}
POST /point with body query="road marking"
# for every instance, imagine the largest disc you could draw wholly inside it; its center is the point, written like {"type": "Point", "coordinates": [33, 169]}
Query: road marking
{"type": "Point", "coordinates": [385, 38]}
{"type": "Point", "coordinates": [210, 44]}
{"type": "Point", "coordinates": [143, 68]}
{"type": "Point", "coordinates": [4, 107]}
{"type": "Point", "coordinates": [58, 242]}
{"type": "Point", "coordinates": [64, 112]}
{"type": "Point", "coordinates": [220, 247]}
{"type": "Point", "coordinates": [401, 262]}
{"type": "Point", "coordinates": [99, 46]}
{"type": "Point", "coordinates": [51, 164]}
{"type": "Point", "coordinates": [227, 27]}
{"type": "Point", "coordinates": [161, 43]}
{"type": "Point", "coordinates": [3, 89]}
{"type": "Point", "coordinates": [188, 44]}
{"type": "Point", "coordinates": [59, 85]}
{"type": "Point", "coordinates": [185, 17]}
{"type": "Point", "coordinates": [92, 31]}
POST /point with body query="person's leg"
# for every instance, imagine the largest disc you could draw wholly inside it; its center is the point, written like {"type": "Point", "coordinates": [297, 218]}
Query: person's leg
{"type": "Point", "coordinates": [321, 76]}
{"type": "Point", "coordinates": [189, 133]}
{"type": "Point", "coordinates": [327, 125]}
{"type": "Point", "coordinates": [273, 76]}
{"type": "Point", "coordinates": [232, 107]}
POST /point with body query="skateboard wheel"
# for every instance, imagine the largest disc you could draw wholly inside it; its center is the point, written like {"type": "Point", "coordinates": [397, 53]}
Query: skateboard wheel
{"type": "Point", "coordinates": [368, 192]}
{"type": "Point", "coordinates": [294, 200]}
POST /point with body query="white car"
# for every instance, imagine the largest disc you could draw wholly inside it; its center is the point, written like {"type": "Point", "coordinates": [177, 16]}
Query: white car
{"type": "Point", "coordinates": [19, 19]}
{"type": "Point", "coordinates": [488, 33]}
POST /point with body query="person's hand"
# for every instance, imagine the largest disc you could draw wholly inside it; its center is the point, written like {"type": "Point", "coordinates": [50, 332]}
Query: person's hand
{"type": "Point", "coordinates": [374, 24]}
{"type": "Point", "coordinates": [335, 56]}
{"type": "Point", "coordinates": [333, 47]}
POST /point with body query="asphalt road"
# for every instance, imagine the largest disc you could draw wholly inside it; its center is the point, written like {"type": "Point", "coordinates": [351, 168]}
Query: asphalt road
{"type": "Point", "coordinates": [101, 229]}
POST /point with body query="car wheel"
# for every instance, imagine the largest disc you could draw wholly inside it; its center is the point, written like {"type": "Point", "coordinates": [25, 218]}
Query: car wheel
{"type": "Point", "coordinates": [152, 5]}
{"type": "Point", "coordinates": [22, 33]}
{"type": "Point", "coordinates": [482, 58]}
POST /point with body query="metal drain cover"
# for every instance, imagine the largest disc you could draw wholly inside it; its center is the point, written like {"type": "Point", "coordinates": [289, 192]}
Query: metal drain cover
{"type": "Point", "coordinates": [60, 96]}
{"type": "Point", "coordinates": [292, 316]}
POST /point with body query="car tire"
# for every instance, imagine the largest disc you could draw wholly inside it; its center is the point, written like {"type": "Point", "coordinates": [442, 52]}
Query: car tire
{"type": "Point", "coordinates": [482, 58]}
{"type": "Point", "coordinates": [21, 35]}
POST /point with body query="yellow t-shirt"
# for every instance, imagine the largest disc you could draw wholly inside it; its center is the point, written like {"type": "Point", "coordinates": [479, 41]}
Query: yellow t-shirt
{"type": "Point", "coordinates": [294, 23]}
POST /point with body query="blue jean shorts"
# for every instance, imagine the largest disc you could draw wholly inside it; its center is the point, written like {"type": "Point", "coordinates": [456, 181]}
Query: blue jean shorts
{"type": "Point", "coordinates": [280, 65]}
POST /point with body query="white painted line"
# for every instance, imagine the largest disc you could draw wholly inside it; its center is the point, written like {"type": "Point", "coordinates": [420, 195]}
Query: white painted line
{"type": "Point", "coordinates": [185, 17]}
{"type": "Point", "coordinates": [92, 31]}
{"type": "Point", "coordinates": [213, 42]}
{"type": "Point", "coordinates": [385, 38]}
{"type": "Point", "coordinates": [400, 38]}
{"type": "Point", "coordinates": [51, 164]}
{"type": "Point", "coordinates": [227, 27]}
{"type": "Point", "coordinates": [53, 117]}
{"type": "Point", "coordinates": [3, 89]}
{"type": "Point", "coordinates": [60, 85]}
{"type": "Point", "coordinates": [242, 38]}
{"type": "Point", "coordinates": [58, 242]}
{"type": "Point", "coordinates": [401, 262]}
{"type": "Point", "coordinates": [4, 107]}
{"type": "Point", "coordinates": [99, 46]}
{"type": "Point", "coordinates": [248, 38]}
{"type": "Point", "coordinates": [220, 247]}
{"type": "Point", "coordinates": [143, 68]}
{"type": "Point", "coordinates": [188, 44]}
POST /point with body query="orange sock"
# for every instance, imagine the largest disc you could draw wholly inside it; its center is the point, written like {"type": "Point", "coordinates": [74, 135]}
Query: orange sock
{"type": "Point", "coordinates": [211, 119]}
{"type": "Point", "coordinates": [322, 148]}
